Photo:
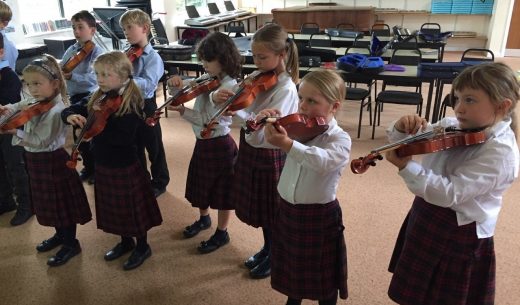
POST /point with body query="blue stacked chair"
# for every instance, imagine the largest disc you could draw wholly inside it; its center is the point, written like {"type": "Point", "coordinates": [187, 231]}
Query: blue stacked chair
{"type": "Point", "coordinates": [480, 7]}
{"type": "Point", "coordinates": [441, 6]}
{"type": "Point", "coordinates": [461, 7]}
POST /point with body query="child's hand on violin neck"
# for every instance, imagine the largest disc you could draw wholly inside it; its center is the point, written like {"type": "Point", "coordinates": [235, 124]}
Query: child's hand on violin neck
{"type": "Point", "coordinates": [277, 136]}
{"type": "Point", "coordinates": [4, 110]}
{"type": "Point", "coordinates": [399, 162]}
{"type": "Point", "coordinates": [411, 124]}
{"type": "Point", "coordinates": [175, 82]}
{"type": "Point", "coordinates": [76, 120]}
{"type": "Point", "coordinates": [267, 113]}
{"type": "Point", "coordinates": [221, 95]}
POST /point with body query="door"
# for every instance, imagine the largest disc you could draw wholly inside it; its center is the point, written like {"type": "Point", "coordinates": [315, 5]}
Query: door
{"type": "Point", "coordinates": [513, 39]}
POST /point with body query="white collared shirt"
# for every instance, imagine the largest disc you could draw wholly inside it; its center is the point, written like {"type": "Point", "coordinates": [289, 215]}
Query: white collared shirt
{"type": "Point", "coordinates": [42, 133]}
{"type": "Point", "coordinates": [312, 170]}
{"type": "Point", "coordinates": [204, 108]}
{"type": "Point", "coordinates": [469, 180]}
{"type": "Point", "coordinates": [283, 96]}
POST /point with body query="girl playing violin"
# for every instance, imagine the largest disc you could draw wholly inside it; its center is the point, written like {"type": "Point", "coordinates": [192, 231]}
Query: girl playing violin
{"type": "Point", "coordinates": [444, 253]}
{"type": "Point", "coordinates": [211, 166]}
{"type": "Point", "coordinates": [309, 258]}
{"type": "Point", "coordinates": [125, 203]}
{"type": "Point", "coordinates": [258, 165]}
{"type": "Point", "coordinates": [57, 194]}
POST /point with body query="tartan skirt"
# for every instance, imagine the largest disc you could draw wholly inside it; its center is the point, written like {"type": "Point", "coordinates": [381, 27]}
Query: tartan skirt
{"type": "Point", "coordinates": [210, 173]}
{"type": "Point", "coordinates": [435, 261]}
{"type": "Point", "coordinates": [125, 203]}
{"type": "Point", "coordinates": [58, 198]}
{"type": "Point", "coordinates": [309, 255]}
{"type": "Point", "coordinates": [254, 191]}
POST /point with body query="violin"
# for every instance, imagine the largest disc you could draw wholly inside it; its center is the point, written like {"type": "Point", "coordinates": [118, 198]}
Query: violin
{"type": "Point", "coordinates": [134, 52]}
{"type": "Point", "coordinates": [22, 116]}
{"type": "Point", "coordinates": [299, 127]}
{"type": "Point", "coordinates": [429, 142]}
{"type": "Point", "coordinates": [255, 83]}
{"type": "Point", "coordinates": [189, 92]}
{"type": "Point", "coordinates": [75, 60]}
{"type": "Point", "coordinates": [96, 122]}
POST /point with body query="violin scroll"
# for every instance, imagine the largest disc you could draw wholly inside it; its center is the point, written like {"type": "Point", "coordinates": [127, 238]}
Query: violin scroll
{"type": "Point", "coordinates": [362, 164]}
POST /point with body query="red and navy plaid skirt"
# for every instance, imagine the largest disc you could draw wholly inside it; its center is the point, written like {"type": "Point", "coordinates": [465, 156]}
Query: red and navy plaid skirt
{"type": "Point", "coordinates": [435, 261]}
{"type": "Point", "coordinates": [309, 255]}
{"type": "Point", "coordinates": [57, 194]}
{"type": "Point", "coordinates": [125, 203]}
{"type": "Point", "coordinates": [254, 194]}
{"type": "Point", "coordinates": [211, 172]}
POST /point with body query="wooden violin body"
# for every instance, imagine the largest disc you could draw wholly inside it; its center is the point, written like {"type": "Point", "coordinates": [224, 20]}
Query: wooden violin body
{"type": "Point", "coordinates": [21, 117]}
{"type": "Point", "coordinates": [75, 60]}
{"type": "Point", "coordinates": [186, 94]}
{"type": "Point", "coordinates": [246, 94]}
{"type": "Point", "coordinates": [423, 146]}
{"type": "Point", "coordinates": [134, 52]}
{"type": "Point", "coordinates": [96, 122]}
{"type": "Point", "coordinates": [298, 126]}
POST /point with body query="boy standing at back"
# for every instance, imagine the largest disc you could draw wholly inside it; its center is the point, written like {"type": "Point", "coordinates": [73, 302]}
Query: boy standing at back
{"type": "Point", "coordinates": [13, 176]}
{"type": "Point", "coordinates": [82, 80]}
{"type": "Point", "coordinates": [148, 70]}
{"type": "Point", "coordinates": [10, 51]}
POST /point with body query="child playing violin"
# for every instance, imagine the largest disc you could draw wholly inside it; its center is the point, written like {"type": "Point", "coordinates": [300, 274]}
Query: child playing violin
{"type": "Point", "coordinates": [148, 70]}
{"type": "Point", "coordinates": [309, 254]}
{"type": "Point", "coordinates": [444, 253]}
{"type": "Point", "coordinates": [13, 176]}
{"type": "Point", "coordinates": [125, 203]}
{"type": "Point", "coordinates": [211, 166]}
{"type": "Point", "coordinates": [258, 165]}
{"type": "Point", "coordinates": [81, 81]}
{"type": "Point", "coordinates": [57, 195]}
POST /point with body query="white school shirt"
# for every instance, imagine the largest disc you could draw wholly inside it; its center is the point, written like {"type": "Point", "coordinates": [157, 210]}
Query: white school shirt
{"type": "Point", "coordinates": [312, 170]}
{"type": "Point", "coordinates": [42, 133]}
{"type": "Point", "coordinates": [469, 180]}
{"type": "Point", "coordinates": [204, 108]}
{"type": "Point", "coordinates": [283, 96]}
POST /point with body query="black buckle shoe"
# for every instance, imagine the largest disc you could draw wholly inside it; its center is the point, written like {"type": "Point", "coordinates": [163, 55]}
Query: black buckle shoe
{"type": "Point", "coordinates": [263, 269]}
{"type": "Point", "coordinates": [213, 243]}
{"type": "Point", "coordinates": [137, 259]}
{"type": "Point", "coordinates": [256, 259]}
{"type": "Point", "coordinates": [21, 217]}
{"type": "Point", "coordinates": [195, 228]}
{"type": "Point", "coordinates": [49, 244]}
{"type": "Point", "coordinates": [63, 255]}
{"type": "Point", "coordinates": [119, 250]}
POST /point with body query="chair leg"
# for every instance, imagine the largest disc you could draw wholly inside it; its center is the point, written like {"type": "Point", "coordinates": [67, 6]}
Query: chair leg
{"type": "Point", "coordinates": [376, 110]}
{"type": "Point", "coordinates": [165, 97]}
{"type": "Point", "coordinates": [361, 106]}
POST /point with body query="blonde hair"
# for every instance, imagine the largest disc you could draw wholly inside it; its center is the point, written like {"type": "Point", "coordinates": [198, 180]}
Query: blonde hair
{"type": "Point", "coordinates": [48, 66]}
{"type": "Point", "coordinates": [275, 38]}
{"type": "Point", "coordinates": [5, 12]}
{"type": "Point", "coordinates": [132, 99]}
{"type": "Point", "coordinates": [329, 83]}
{"type": "Point", "coordinates": [136, 16]}
{"type": "Point", "coordinates": [497, 80]}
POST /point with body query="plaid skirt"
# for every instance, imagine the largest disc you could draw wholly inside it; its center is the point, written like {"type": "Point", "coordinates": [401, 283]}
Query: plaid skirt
{"type": "Point", "coordinates": [210, 173]}
{"type": "Point", "coordinates": [254, 192]}
{"type": "Point", "coordinates": [125, 203]}
{"type": "Point", "coordinates": [435, 261]}
{"type": "Point", "coordinates": [309, 255]}
{"type": "Point", "coordinates": [58, 198]}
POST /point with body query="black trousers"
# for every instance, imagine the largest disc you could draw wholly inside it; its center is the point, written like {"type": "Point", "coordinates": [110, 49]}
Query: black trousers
{"type": "Point", "coordinates": [150, 139]}
{"type": "Point", "coordinates": [85, 147]}
{"type": "Point", "coordinates": [13, 175]}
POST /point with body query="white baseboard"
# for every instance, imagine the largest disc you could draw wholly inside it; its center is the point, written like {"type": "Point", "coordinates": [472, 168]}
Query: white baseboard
{"type": "Point", "coordinates": [512, 52]}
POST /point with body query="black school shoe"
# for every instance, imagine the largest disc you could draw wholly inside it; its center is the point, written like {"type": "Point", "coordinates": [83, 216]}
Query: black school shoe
{"type": "Point", "coordinates": [119, 250]}
{"type": "Point", "coordinates": [256, 259]}
{"type": "Point", "coordinates": [195, 228]}
{"type": "Point", "coordinates": [7, 208]}
{"type": "Point", "coordinates": [64, 254]}
{"type": "Point", "coordinates": [263, 269]}
{"type": "Point", "coordinates": [49, 244]}
{"type": "Point", "coordinates": [213, 243]}
{"type": "Point", "coordinates": [137, 258]}
{"type": "Point", "coordinates": [21, 217]}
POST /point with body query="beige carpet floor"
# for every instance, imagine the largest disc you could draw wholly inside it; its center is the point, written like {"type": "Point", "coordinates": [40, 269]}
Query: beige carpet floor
{"type": "Point", "coordinates": [374, 205]}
